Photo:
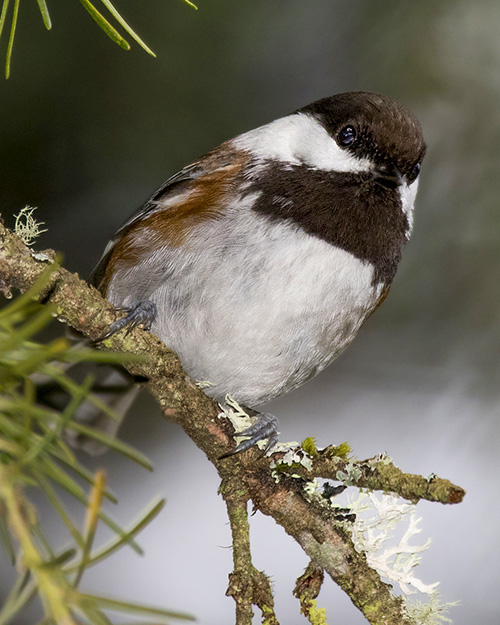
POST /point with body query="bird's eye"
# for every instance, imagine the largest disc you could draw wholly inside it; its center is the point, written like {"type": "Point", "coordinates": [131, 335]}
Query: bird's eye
{"type": "Point", "coordinates": [346, 136]}
{"type": "Point", "coordinates": [415, 170]}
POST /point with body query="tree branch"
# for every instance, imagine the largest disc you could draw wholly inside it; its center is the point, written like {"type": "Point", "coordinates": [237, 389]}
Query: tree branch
{"type": "Point", "coordinates": [322, 535]}
{"type": "Point", "coordinates": [379, 473]}
{"type": "Point", "coordinates": [247, 585]}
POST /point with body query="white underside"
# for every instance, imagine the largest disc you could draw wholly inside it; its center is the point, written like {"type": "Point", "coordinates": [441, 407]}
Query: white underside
{"type": "Point", "coordinates": [255, 315]}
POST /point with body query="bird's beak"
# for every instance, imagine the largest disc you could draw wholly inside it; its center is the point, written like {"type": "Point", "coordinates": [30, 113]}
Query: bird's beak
{"type": "Point", "coordinates": [388, 176]}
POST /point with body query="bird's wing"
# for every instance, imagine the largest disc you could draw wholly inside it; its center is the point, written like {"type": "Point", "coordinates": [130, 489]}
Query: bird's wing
{"type": "Point", "coordinates": [195, 193]}
{"type": "Point", "coordinates": [170, 186]}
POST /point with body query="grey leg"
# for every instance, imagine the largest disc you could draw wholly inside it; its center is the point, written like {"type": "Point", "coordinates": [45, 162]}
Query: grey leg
{"type": "Point", "coordinates": [266, 426]}
{"type": "Point", "coordinates": [138, 313]}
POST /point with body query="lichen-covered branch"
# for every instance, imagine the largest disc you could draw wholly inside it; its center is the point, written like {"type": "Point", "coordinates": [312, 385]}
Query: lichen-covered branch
{"type": "Point", "coordinates": [247, 585]}
{"type": "Point", "coordinates": [240, 580]}
{"type": "Point", "coordinates": [323, 536]}
{"type": "Point", "coordinates": [379, 473]}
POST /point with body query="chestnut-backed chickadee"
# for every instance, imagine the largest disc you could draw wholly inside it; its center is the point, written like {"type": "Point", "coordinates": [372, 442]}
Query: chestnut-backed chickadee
{"type": "Point", "coordinates": [259, 262]}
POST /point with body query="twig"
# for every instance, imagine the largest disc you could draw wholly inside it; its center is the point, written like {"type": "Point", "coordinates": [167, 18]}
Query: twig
{"type": "Point", "coordinates": [379, 473]}
{"type": "Point", "coordinates": [240, 580]}
{"type": "Point", "coordinates": [247, 585]}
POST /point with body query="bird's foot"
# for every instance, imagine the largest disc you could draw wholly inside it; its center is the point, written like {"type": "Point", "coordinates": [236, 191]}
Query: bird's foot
{"type": "Point", "coordinates": [138, 313]}
{"type": "Point", "coordinates": [266, 427]}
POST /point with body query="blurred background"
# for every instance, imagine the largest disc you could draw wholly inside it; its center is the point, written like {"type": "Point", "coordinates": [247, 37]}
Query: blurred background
{"type": "Point", "coordinates": [88, 132]}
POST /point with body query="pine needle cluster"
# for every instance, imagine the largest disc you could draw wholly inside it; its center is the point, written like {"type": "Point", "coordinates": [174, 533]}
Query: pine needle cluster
{"type": "Point", "coordinates": [35, 456]}
{"type": "Point", "coordinates": [105, 24]}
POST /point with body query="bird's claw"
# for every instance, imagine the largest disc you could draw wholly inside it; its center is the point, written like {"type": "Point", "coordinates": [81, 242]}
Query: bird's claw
{"type": "Point", "coordinates": [266, 427]}
{"type": "Point", "coordinates": [142, 313]}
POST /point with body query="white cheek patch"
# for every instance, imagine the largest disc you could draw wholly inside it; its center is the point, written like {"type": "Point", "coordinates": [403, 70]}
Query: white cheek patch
{"type": "Point", "coordinates": [300, 139]}
{"type": "Point", "coordinates": [408, 193]}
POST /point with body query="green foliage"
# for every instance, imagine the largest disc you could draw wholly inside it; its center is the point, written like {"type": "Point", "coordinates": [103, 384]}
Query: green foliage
{"type": "Point", "coordinates": [33, 453]}
{"type": "Point", "coordinates": [96, 15]}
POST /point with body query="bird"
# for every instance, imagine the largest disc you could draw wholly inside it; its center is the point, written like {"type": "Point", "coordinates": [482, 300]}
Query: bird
{"type": "Point", "coordinates": [259, 262]}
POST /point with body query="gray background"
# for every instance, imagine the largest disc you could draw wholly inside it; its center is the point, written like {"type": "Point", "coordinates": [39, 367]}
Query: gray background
{"type": "Point", "coordinates": [88, 131]}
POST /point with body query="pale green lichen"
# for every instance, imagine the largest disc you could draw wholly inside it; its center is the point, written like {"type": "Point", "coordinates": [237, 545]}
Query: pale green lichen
{"type": "Point", "coordinates": [374, 533]}
{"type": "Point", "coordinates": [311, 488]}
{"type": "Point", "coordinates": [297, 456]}
{"type": "Point", "coordinates": [382, 458]}
{"type": "Point", "coordinates": [203, 384]}
{"type": "Point", "coordinates": [241, 420]}
{"type": "Point", "coordinates": [26, 226]}
{"type": "Point", "coordinates": [234, 412]}
{"type": "Point", "coordinates": [351, 475]}
{"type": "Point", "coordinates": [429, 613]}
{"type": "Point", "coordinates": [42, 257]}
{"type": "Point", "coordinates": [276, 476]}
{"type": "Point", "coordinates": [294, 457]}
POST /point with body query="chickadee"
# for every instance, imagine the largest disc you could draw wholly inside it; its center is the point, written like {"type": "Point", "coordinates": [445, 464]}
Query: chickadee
{"type": "Point", "coordinates": [259, 262]}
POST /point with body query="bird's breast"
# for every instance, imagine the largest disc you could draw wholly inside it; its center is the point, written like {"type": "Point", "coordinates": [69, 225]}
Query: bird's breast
{"type": "Point", "coordinates": [346, 209]}
{"type": "Point", "coordinates": [258, 315]}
